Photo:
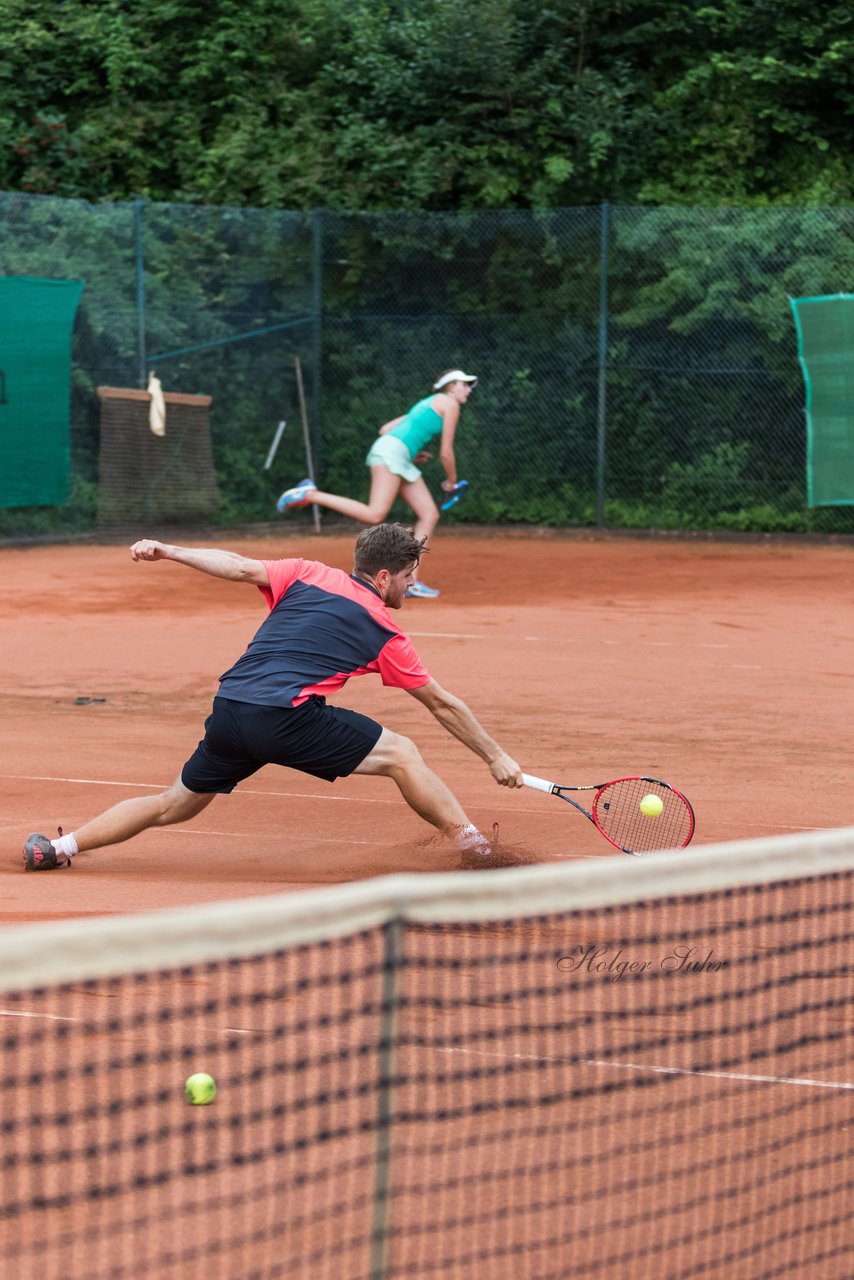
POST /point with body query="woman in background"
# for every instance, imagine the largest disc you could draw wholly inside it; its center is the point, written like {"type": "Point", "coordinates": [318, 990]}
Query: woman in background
{"type": "Point", "coordinates": [392, 458]}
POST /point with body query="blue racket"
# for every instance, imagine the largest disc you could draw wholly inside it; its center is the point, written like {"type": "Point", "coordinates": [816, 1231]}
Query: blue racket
{"type": "Point", "coordinates": [456, 493]}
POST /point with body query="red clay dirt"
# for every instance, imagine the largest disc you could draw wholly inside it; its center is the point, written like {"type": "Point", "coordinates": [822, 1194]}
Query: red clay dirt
{"type": "Point", "coordinates": [721, 667]}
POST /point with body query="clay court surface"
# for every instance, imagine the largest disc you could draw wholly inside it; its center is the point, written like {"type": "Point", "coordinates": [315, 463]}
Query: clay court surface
{"type": "Point", "coordinates": [721, 667]}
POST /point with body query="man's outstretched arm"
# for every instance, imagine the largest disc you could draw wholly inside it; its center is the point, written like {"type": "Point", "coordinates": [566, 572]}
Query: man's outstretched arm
{"type": "Point", "coordinates": [453, 714]}
{"type": "Point", "coordinates": [219, 564]}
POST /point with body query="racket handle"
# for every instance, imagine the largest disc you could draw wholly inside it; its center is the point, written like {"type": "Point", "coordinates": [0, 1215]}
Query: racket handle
{"type": "Point", "coordinates": [537, 784]}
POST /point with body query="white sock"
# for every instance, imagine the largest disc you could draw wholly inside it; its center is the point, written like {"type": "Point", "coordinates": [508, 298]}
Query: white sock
{"type": "Point", "coordinates": [470, 840]}
{"type": "Point", "coordinates": [66, 844]}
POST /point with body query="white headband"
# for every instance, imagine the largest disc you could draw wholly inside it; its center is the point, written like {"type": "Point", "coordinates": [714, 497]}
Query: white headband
{"type": "Point", "coordinates": [454, 375]}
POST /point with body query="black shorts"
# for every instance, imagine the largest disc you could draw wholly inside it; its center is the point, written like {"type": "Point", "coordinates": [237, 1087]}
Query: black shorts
{"type": "Point", "coordinates": [240, 738]}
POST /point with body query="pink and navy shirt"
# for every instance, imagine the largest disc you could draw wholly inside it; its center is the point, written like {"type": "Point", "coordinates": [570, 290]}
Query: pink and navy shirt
{"type": "Point", "coordinates": [324, 626]}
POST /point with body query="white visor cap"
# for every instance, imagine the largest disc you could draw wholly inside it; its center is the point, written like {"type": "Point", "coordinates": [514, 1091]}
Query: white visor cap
{"type": "Point", "coordinates": [454, 375]}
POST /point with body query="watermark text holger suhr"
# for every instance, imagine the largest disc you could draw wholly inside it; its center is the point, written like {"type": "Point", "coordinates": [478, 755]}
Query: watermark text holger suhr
{"type": "Point", "coordinates": [611, 963]}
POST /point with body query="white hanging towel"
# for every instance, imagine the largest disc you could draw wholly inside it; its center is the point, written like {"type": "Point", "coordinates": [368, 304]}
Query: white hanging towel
{"type": "Point", "coordinates": [157, 411]}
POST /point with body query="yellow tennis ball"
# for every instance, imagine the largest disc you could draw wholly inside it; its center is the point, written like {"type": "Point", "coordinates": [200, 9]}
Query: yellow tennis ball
{"type": "Point", "coordinates": [200, 1089]}
{"type": "Point", "coordinates": [651, 806]}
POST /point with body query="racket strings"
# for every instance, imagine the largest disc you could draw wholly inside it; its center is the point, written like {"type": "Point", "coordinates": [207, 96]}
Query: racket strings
{"type": "Point", "coordinates": [618, 814]}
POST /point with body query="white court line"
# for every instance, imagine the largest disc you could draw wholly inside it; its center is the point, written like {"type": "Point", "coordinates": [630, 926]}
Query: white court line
{"type": "Point", "coordinates": [656, 644]}
{"type": "Point", "coordinates": [48, 1017]}
{"type": "Point", "coordinates": [670, 1071]}
{"type": "Point", "coordinates": [743, 1078]}
{"type": "Point", "coordinates": [244, 791]}
{"type": "Point", "coordinates": [445, 635]}
{"type": "Point", "coordinates": [161, 786]}
{"type": "Point", "coordinates": [314, 795]}
{"type": "Point", "coordinates": [728, 1075]}
{"type": "Point", "coordinates": [207, 831]}
{"type": "Point", "coordinates": [650, 644]}
{"type": "Point", "coordinates": [55, 1017]}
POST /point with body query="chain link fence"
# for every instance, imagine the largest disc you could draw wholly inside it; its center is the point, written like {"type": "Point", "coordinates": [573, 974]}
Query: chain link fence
{"type": "Point", "coordinates": [638, 366]}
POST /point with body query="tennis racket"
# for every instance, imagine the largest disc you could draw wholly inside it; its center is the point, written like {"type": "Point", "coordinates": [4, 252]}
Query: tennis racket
{"type": "Point", "coordinates": [456, 493]}
{"type": "Point", "coordinates": [626, 812]}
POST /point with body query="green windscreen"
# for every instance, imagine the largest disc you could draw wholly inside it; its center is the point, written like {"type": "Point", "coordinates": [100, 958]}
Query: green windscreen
{"type": "Point", "coordinates": [826, 349]}
{"type": "Point", "coordinates": [36, 318]}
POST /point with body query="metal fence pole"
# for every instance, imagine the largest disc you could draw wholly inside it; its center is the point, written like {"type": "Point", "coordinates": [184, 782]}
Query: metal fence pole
{"type": "Point", "coordinates": [140, 291]}
{"type": "Point", "coordinates": [382, 1172]}
{"type": "Point", "coordinates": [601, 409]}
{"type": "Point", "coordinates": [317, 331]}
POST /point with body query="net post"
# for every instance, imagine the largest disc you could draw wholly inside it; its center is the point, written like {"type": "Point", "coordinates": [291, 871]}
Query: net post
{"type": "Point", "coordinates": [393, 931]}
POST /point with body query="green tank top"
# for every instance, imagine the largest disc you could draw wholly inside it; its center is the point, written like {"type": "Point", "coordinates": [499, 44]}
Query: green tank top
{"type": "Point", "coordinates": [419, 426]}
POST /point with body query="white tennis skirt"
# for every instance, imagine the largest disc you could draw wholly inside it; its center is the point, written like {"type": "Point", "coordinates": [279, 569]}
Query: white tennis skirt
{"type": "Point", "coordinates": [390, 452]}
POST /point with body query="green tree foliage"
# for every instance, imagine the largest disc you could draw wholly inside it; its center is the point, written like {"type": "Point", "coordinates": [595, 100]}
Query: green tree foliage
{"type": "Point", "coordinates": [517, 117]}
{"type": "Point", "coordinates": [429, 104]}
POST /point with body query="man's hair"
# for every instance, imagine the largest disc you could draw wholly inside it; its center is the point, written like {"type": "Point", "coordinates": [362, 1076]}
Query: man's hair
{"type": "Point", "coordinates": [387, 546]}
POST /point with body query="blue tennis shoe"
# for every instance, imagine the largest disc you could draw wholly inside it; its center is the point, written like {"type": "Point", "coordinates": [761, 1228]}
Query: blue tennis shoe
{"type": "Point", "coordinates": [420, 591]}
{"type": "Point", "coordinates": [296, 497]}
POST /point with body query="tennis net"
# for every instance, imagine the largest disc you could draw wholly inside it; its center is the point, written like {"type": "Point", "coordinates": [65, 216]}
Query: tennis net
{"type": "Point", "coordinates": [608, 1068]}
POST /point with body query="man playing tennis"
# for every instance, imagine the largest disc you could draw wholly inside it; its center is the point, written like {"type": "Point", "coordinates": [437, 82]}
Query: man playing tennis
{"type": "Point", "coordinates": [323, 627]}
